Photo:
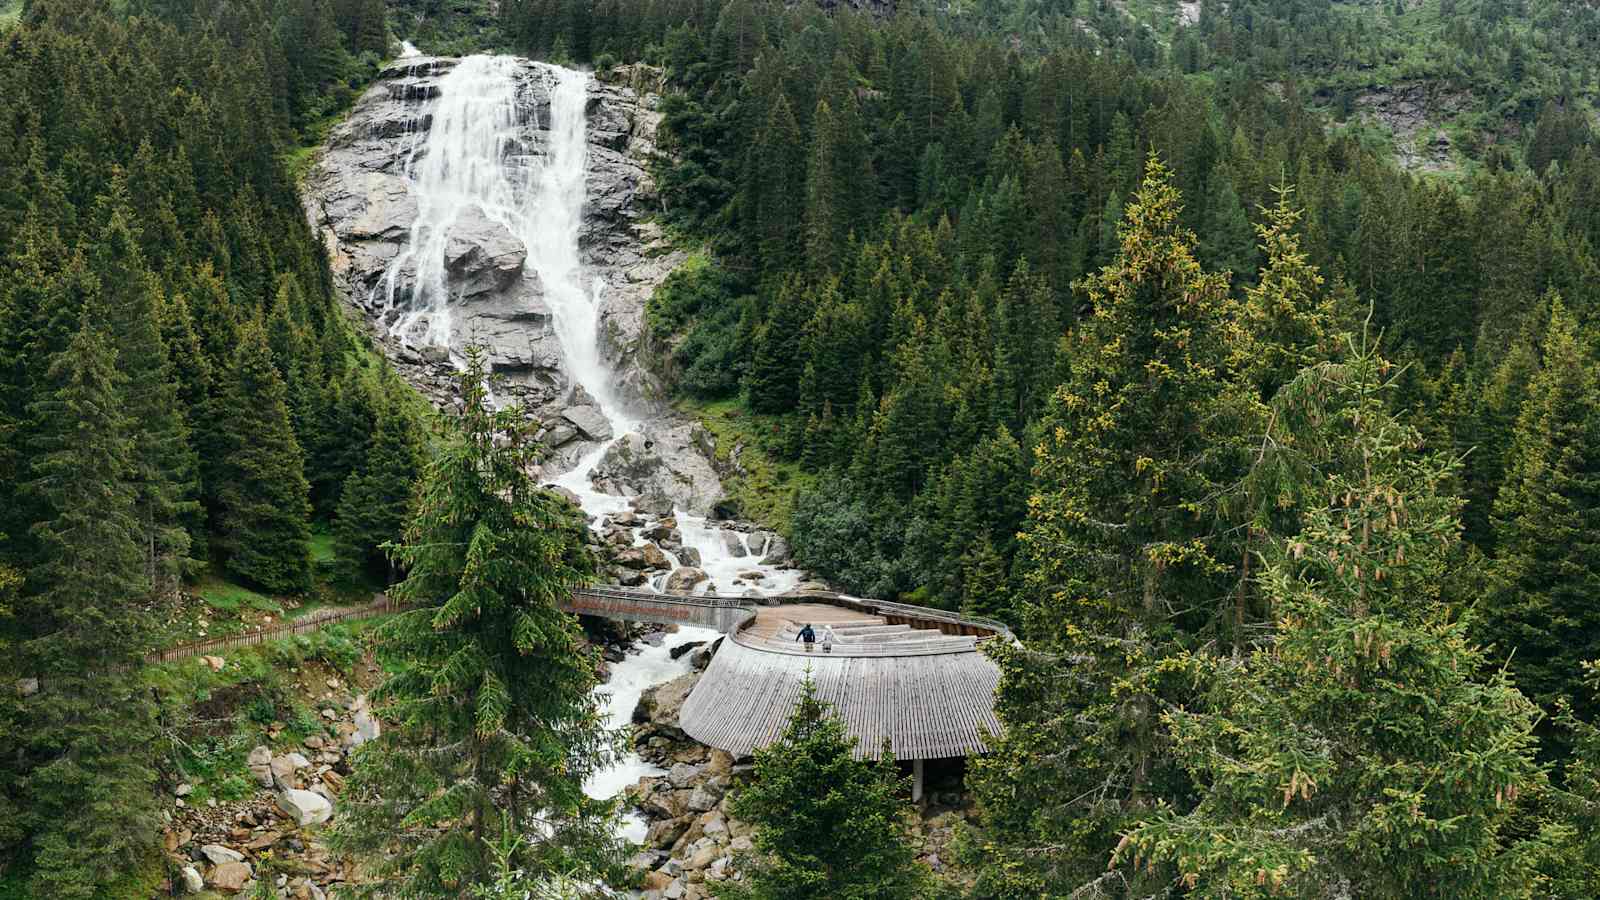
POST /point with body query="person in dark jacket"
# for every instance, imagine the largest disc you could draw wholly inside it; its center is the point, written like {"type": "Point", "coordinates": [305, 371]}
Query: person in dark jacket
{"type": "Point", "coordinates": [807, 635]}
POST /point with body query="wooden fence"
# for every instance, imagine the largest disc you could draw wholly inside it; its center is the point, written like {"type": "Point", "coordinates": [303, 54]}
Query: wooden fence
{"type": "Point", "coordinates": [379, 607]}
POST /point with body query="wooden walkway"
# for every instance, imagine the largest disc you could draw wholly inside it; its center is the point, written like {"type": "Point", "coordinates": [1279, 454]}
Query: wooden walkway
{"type": "Point", "coordinates": [906, 676]}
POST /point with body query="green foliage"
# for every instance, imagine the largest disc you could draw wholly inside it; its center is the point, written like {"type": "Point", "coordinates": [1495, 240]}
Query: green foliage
{"type": "Point", "coordinates": [697, 314]}
{"type": "Point", "coordinates": [80, 738]}
{"type": "Point", "coordinates": [1539, 613]}
{"type": "Point", "coordinates": [826, 823]}
{"type": "Point", "coordinates": [265, 515]}
{"type": "Point", "coordinates": [493, 726]}
{"type": "Point", "coordinates": [1358, 750]}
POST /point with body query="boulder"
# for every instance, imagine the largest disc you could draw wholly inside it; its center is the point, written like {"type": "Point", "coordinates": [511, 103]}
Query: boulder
{"type": "Point", "coordinates": [589, 421]}
{"type": "Point", "coordinates": [653, 557]}
{"type": "Point", "coordinates": [27, 687]}
{"type": "Point", "coordinates": [632, 558]}
{"type": "Point", "coordinates": [681, 649]}
{"type": "Point", "coordinates": [758, 542]}
{"type": "Point", "coordinates": [665, 833]}
{"type": "Point", "coordinates": [260, 763]}
{"type": "Point", "coordinates": [684, 579]}
{"type": "Point", "coordinates": [682, 775]}
{"type": "Point", "coordinates": [367, 726]}
{"type": "Point", "coordinates": [298, 760]}
{"type": "Point", "coordinates": [214, 663]}
{"type": "Point", "coordinates": [192, 882]}
{"type": "Point", "coordinates": [230, 876]}
{"type": "Point", "coordinates": [703, 857]}
{"type": "Point", "coordinates": [481, 255]}
{"type": "Point", "coordinates": [689, 556]}
{"type": "Point", "coordinates": [777, 552]}
{"type": "Point", "coordinates": [702, 799]}
{"type": "Point", "coordinates": [732, 544]}
{"type": "Point", "coordinates": [305, 807]}
{"type": "Point", "coordinates": [219, 854]}
{"type": "Point", "coordinates": [283, 772]}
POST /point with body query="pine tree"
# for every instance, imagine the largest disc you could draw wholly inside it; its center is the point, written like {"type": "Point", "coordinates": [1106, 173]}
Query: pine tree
{"type": "Point", "coordinates": [774, 187]}
{"type": "Point", "coordinates": [826, 209]}
{"type": "Point", "coordinates": [375, 502]}
{"type": "Point", "coordinates": [264, 522]}
{"type": "Point", "coordinates": [494, 728]}
{"type": "Point", "coordinates": [776, 365]}
{"type": "Point", "coordinates": [1287, 317]}
{"type": "Point", "coordinates": [1227, 244]}
{"type": "Point", "coordinates": [1541, 611]}
{"type": "Point", "coordinates": [128, 304]}
{"type": "Point", "coordinates": [85, 735]}
{"type": "Point", "coordinates": [1363, 751]}
{"type": "Point", "coordinates": [1128, 555]}
{"type": "Point", "coordinates": [826, 824]}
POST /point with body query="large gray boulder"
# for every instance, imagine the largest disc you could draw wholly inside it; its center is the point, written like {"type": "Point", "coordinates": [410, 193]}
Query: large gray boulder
{"type": "Point", "coordinates": [684, 579]}
{"type": "Point", "coordinates": [481, 255]}
{"type": "Point", "coordinates": [305, 808]}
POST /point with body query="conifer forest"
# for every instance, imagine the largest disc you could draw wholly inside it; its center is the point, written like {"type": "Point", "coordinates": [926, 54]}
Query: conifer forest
{"type": "Point", "coordinates": [1220, 381]}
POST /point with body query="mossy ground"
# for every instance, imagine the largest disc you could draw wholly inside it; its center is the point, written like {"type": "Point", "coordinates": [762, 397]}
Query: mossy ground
{"type": "Point", "coordinates": [765, 491]}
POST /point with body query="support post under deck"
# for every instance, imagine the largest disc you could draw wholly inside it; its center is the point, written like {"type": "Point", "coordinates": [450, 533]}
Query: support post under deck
{"type": "Point", "coordinates": [916, 781]}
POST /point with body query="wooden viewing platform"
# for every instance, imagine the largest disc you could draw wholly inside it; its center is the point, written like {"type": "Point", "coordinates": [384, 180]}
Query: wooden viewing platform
{"type": "Point", "coordinates": [906, 677]}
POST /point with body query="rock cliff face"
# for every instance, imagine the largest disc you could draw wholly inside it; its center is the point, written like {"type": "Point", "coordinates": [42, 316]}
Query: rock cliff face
{"type": "Point", "coordinates": [360, 195]}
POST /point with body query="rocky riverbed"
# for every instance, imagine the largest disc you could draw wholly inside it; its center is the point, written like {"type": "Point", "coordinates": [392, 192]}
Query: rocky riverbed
{"type": "Point", "coordinates": [693, 839]}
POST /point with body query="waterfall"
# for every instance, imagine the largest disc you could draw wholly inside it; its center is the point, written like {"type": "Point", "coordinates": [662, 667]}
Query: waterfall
{"type": "Point", "coordinates": [481, 161]}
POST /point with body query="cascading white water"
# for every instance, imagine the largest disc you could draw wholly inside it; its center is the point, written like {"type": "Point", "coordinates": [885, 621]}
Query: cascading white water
{"type": "Point", "coordinates": [478, 157]}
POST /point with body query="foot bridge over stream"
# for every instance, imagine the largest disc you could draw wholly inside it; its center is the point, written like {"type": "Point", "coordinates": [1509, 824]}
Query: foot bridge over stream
{"type": "Point", "coordinates": [908, 676]}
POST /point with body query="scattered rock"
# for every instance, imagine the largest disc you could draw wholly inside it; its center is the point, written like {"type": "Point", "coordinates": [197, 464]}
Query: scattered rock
{"type": "Point", "coordinates": [192, 882]}
{"type": "Point", "coordinates": [683, 579]}
{"type": "Point", "coordinates": [305, 807]}
{"type": "Point", "coordinates": [230, 876]}
{"type": "Point", "coordinates": [27, 687]}
{"type": "Point", "coordinates": [214, 663]}
{"type": "Point", "coordinates": [219, 854]}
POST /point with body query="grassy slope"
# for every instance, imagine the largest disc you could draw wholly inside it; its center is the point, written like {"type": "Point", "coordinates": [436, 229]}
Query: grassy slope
{"type": "Point", "coordinates": [765, 492]}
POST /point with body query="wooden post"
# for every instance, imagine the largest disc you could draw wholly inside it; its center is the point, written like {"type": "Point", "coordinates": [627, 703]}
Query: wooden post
{"type": "Point", "coordinates": [916, 781]}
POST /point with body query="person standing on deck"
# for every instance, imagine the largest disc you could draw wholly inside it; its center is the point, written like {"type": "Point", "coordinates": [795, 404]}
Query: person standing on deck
{"type": "Point", "coordinates": [807, 635]}
{"type": "Point", "coordinates": [827, 638]}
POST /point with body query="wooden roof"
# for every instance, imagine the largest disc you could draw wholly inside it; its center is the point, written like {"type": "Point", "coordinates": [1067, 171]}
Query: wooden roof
{"type": "Point", "coordinates": [931, 695]}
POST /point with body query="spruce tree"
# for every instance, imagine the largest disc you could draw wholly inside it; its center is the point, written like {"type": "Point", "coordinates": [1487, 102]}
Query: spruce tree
{"type": "Point", "coordinates": [1129, 558]}
{"type": "Point", "coordinates": [493, 727]}
{"type": "Point", "coordinates": [264, 522]}
{"type": "Point", "coordinates": [85, 735]}
{"type": "Point", "coordinates": [1286, 315]}
{"type": "Point", "coordinates": [129, 304]}
{"type": "Point", "coordinates": [1541, 611]}
{"type": "Point", "coordinates": [826, 824]}
{"type": "Point", "coordinates": [376, 500]}
{"type": "Point", "coordinates": [774, 187]}
{"type": "Point", "coordinates": [1366, 750]}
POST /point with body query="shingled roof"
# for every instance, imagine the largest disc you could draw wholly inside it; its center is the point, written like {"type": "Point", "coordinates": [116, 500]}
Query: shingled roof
{"type": "Point", "coordinates": [928, 693]}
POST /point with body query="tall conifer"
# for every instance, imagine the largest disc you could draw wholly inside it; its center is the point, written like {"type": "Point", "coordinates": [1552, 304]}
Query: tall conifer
{"type": "Point", "coordinates": [86, 733]}
{"type": "Point", "coordinates": [265, 518]}
{"type": "Point", "coordinates": [494, 728]}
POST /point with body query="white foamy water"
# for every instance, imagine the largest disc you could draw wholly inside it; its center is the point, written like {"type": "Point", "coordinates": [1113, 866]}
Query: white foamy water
{"type": "Point", "coordinates": [408, 49]}
{"type": "Point", "coordinates": [478, 161]}
{"type": "Point", "coordinates": [629, 679]}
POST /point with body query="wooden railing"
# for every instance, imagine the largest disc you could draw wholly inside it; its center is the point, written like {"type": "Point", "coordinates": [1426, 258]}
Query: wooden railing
{"type": "Point", "coordinates": [380, 606]}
